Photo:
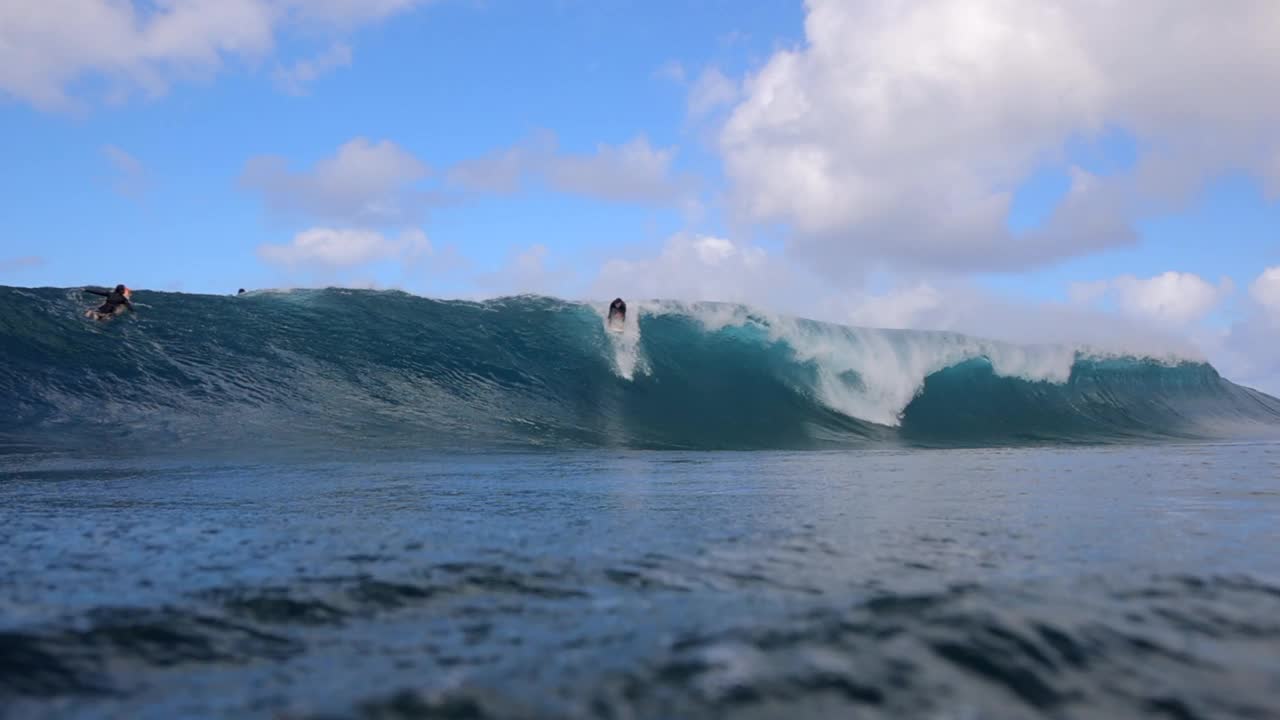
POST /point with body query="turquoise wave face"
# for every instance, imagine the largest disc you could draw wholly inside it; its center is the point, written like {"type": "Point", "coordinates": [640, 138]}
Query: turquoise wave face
{"type": "Point", "coordinates": [346, 368]}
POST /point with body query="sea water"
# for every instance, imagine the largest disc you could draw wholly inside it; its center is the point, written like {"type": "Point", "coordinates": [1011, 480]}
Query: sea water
{"type": "Point", "coordinates": [1081, 582]}
{"type": "Point", "coordinates": [333, 504]}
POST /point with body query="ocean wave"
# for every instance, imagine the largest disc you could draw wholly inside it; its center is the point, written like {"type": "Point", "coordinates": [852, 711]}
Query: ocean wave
{"type": "Point", "coordinates": [389, 368]}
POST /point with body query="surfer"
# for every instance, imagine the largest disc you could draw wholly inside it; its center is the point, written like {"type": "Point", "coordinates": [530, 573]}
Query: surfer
{"type": "Point", "coordinates": [116, 301]}
{"type": "Point", "coordinates": [617, 309]}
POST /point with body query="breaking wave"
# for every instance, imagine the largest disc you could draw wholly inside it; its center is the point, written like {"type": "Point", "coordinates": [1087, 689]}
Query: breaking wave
{"type": "Point", "coordinates": [318, 368]}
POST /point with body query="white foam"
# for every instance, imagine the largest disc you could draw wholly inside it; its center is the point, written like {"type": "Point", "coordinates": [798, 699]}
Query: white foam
{"type": "Point", "coordinates": [627, 356]}
{"type": "Point", "coordinates": [874, 374]}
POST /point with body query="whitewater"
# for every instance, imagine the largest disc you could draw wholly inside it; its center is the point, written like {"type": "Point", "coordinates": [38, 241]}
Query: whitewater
{"type": "Point", "coordinates": [316, 367]}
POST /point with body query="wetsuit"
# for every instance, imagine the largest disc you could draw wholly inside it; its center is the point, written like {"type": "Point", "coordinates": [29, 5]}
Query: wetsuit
{"type": "Point", "coordinates": [618, 308]}
{"type": "Point", "coordinates": [115, 299]}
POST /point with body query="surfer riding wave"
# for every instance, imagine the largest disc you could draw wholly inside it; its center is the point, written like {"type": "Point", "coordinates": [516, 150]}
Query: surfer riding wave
{"type": "Point", "coordinates": [116, 302]}
{"type": "Point", "coordinates": [617, 312]}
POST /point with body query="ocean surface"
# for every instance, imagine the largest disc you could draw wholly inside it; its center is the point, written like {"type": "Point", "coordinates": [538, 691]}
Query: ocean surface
{"type": "Point", "coordinates": [346, 504]}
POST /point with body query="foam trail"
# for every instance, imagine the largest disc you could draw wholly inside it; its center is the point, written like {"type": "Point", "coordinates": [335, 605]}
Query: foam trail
{"type": "Point", "coordinates": [627, 356]}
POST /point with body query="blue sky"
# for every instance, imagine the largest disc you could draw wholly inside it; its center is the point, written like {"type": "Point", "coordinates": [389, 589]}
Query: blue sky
{"type": "Point", "coordinates": [446, 81]}
{"type": "Point", "coordinates": [950, 163]}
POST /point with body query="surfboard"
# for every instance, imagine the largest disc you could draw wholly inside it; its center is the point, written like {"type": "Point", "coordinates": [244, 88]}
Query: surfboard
{"type": "Point", "coordinates": [101, 316]}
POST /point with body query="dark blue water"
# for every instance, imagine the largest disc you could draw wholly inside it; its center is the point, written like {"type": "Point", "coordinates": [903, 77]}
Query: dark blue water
{"type": "Point", "coordinates": [335, 504]}
{"type": "Point", "coordinates": [1088, 582]}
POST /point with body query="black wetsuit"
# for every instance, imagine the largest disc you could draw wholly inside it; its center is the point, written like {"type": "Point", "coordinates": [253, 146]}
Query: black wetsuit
{"type": "Point", "coordinates": [619, 308]}
{"type": "Point", "coordinates": [114, 300]}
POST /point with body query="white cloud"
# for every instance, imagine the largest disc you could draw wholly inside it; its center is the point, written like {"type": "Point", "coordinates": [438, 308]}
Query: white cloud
{"type": "Point", "coordinates": [130, 176]}
{"type": "Point", "coordinates": [634, 172]}
{"type": "Point", "coordinates": [362, 183]}
{"type": "Point", "coordinates": [332, 248]}
{"type": "Point", "coordinates": [1265, 290]}
{"type": "Point", "coordinates": [1171, 298]}
{"type": "Point", "coordinates": [900, 307]}
{"type": "Point", "coordinates": [699, 267]}
{"type": "Point", "coordinates": [712, 90]}
{"type": "Point", "coordinates": [1249, 354]}
{"type": "Point", "coordinates": [1089, 292]}
{"type": "Point", "coordinates": [529, 270]}
{"type": "Point", "coordinates": [48, 45]}
{"type": "Point", "coordinates": [1249, 350]}
{"type": "Point", "coordinates": [507, 169]}
{"type": "Point", "coordinates": [296, 78]}
{"type": "Point", "coordinates": [900, 128]}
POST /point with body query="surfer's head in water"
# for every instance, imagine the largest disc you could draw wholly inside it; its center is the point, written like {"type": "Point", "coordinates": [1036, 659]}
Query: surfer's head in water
{"type": "Point", "coordinates": [618, 308]}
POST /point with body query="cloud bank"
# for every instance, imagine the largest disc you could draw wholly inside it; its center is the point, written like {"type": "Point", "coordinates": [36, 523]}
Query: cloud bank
{"type": "Point", "coordinates": [633, 172]}
{"type": "Point", "coordinates": [900, 129]}
{"type": "Point", "coordinates": [362, 183]}
{"type": "Point", "coordinates": [46, 46]}
{"type": "Point", "coordinates": [1170, 298]}
{"type": "Point", "coordinates": [333, 249]}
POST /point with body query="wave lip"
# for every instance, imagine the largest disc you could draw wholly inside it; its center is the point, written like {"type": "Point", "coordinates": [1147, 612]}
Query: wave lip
{"type": "Point", "coordinates": [315, 368]}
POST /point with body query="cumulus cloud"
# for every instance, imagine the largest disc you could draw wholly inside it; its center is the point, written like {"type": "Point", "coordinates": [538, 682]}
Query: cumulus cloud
{"type": "Point", "coordinates": [1265, 290]}
{"type": "Point", "coordinates": [529, 270]}
{"type": "Point", "coordinates": [130, 177]}
{"type": "Point", "coordinates": [698, 267]}
{"type": "Point", "coordinates": [363, 183]}
{"type": "Point", "coordinates": [48, 45]}
{"type": "Point", "coordinates": [633, 172]}
{"type": "Point", "coordinates": [334, 248]}
{"type": "Point", "coordinates": [906, 306]}
{"type": "Point", "coordinates": [296, 78]}
{"type": "Point", "coordinates": [900, 128]}
{"type": "Point", "coordinates": [506, 170]}
{"type": "Point", "coordinates": [1173, 298]}
{"type": "Point", "coordinates": [1248, 349]}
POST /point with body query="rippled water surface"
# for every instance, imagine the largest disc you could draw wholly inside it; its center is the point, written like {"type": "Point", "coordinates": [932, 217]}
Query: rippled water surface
{"type": "Point", "coordinates": [1113, 582]}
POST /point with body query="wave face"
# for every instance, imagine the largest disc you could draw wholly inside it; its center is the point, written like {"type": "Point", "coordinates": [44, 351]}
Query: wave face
{"type": "Point", "coordinates": [349, 368]}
